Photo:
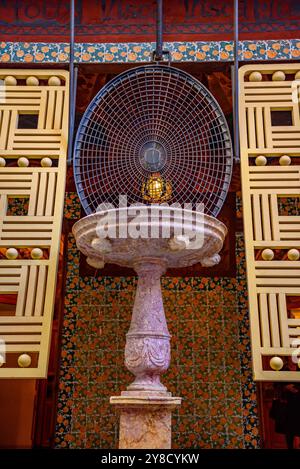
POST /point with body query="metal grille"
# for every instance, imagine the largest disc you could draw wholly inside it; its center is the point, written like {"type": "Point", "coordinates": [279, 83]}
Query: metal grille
{"type": "Point", "coordinates": [157, 135]}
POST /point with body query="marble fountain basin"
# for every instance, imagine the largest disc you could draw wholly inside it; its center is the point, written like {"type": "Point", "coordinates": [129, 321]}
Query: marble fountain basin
{"type": "Point", "coordinates": [149, 240]}
{"type": "Point", "coordinates": [154, 234]}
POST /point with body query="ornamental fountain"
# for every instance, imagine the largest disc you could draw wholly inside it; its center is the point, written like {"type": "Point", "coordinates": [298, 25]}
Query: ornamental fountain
{"type": "Point", "coordinates": [146, 405]}
{"type": "Point", "coordinates": [156, 135]}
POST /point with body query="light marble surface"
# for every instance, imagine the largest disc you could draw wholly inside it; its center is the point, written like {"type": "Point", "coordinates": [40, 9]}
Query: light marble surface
{"type": "Point", "coordinates": [146, 406]}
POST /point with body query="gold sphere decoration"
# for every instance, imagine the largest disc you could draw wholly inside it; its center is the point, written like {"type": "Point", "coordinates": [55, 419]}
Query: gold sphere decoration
{"type": "Point", "coordinates": [54, 81]}
{"type": "Point", "coordinates": [24, 360]}
{"type": "Point", "coordinates": [267, 254]}
{"type": "Point", "coordinates": [2, 162]}
{"type": "Point", "coordinates": [32, 81]}
{"type": "Point", "coordinates": [298, 363]}
{"type": "Point", "coordinates": [23, 162]}
{"type": "Point", "coordinates": [297, 75]}
{"type": "Point", "coordinates": [255, 76]}
{"type": "Point", "coordinates": [2, 361]}
{"type": "Point", "coordinates": [10, 81]}
{"type": "Point", "coordinates": [285, 160]}
{"type": "Point", "coordinates": [11, 253]}
{"type": "Point", "coordinates": [46, 162]}
{"type": "Point", "coordinates": [261, 160]}
{"type": "Point", "coordinates": [278, 76]}
{"type": "Point", "coordinates": [36, 253]}
{"type": "Point", "coordinates": [276, 363]}
{"type": "Point", "coordinates": [293, 254]}
{"type": "Point", "coordinates": [156, 189]}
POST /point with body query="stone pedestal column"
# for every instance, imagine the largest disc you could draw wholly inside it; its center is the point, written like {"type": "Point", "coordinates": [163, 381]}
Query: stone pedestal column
{"type": "Point", "coordinates": [146, 405]}
{"type": "Point", "coordinates": [145, 421]}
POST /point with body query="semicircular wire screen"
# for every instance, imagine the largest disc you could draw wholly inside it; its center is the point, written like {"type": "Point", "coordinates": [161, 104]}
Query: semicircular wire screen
{"type": "Point", "coordinates": [156, 135]}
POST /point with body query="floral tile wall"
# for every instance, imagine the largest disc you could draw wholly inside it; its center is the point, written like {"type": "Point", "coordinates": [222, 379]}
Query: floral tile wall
{"type": "Point", "coordinates": [210, 368]}
{"type": "Point", "coordinates": [200, 51]}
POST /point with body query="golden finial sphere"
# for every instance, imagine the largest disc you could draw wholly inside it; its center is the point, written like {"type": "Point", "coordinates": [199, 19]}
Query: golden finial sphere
{"type": "Point", "coordinates": [285, 160]}
{"type": "Point", "coordinates": [24, 360]}
{"type": "Point", "coordinates": [261, 160]}
{"type": "Point", "coordinates": [11, 253]}
{"type": "Point", "coordinates": [23, 162]}
{"type": "Point", "coordinates": [293, 255]}
{"type": "Point", "coordinates": [32, 81]}
{"type": "Point", "coordinates": [278, 76]}
{"type": "Point", "coordinates": [10, 81]}
{"type": "Point", "coordinates": [276, 363]}
{"type": "Point", "coordinates": [46, 162]}
{"type": "Point", "coordinates": [267, 254]}
{"type": "Point", "coordinates": [54, 81]}
{"type": "Point", "coordinates": [36, 253]}
{"type": "Point", "coordinates": [255, 76]}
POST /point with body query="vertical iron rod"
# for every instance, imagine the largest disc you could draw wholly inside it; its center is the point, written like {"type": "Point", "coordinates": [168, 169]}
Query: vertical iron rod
{"type": "Point", "coordinates": [159, 30]}
{"type": "Point", "coordinates": [236, 135]}
{"type": "Point", "coordinates": [72, 89]}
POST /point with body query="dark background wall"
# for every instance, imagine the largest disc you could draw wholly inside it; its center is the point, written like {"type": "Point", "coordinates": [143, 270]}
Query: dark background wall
{"type": "Point", "coordinates": [134, 20]}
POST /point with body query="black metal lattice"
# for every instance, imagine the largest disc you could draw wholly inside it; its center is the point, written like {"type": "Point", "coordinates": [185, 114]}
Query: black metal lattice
{"type": "Point", "coordinates": [156, 134]}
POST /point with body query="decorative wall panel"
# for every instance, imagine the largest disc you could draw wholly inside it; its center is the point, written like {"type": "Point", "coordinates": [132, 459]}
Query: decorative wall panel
{"type": "Point", "coordinates": [270, 164]}
{"type": "Point", "coordinates": [33, 144]}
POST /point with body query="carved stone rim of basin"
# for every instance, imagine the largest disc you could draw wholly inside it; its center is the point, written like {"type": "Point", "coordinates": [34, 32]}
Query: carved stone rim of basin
{"type": "Point", "coordinates": [175, 250]}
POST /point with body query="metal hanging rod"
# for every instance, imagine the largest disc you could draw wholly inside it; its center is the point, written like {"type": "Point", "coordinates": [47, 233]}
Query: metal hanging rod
{"type": "Point", "coordinates": [159, 30]}
{"type": "Point", "coordinates": [159, 53]}
{"type": "Point", "coordinates": [235, 80]}
{"type": "Point", "coordinates": [73, 83]}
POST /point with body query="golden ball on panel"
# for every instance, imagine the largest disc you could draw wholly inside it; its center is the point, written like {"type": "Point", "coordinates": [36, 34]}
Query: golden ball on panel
{"type": "Point", "coordinates": [278, 76]}
{"type": "Point", "coordinates": [267, 254]}
{"type": "Point", "coordinates": [261, 160]}
{"type": "Point", "coordinates": [54, 81]}
{"type": "Point", "coordinates": [23, 162]}
{"type": "Point", "coordinates": [2, 162]}
{"type": "Point", "coordinates": [297, 75]}
{"type": "Point", "coordinates": [24, 360]}
{"type": "Point", "coordinates": [36, 253]}
{"type": "Point", "coordinates": [298, 363]}
{"type": "Point", "coordinates": [255, 76]}
{"type": "Point", "coordinates": [293, 254]}
{"type": "Point", "coordinates": [46, 162]}
{"type": "Point", "coordinates": [285, 160]}
{"type": "Point", "coordinates": [32, 81]}
{"type": "Point", "coordinates": [276, 363]}
{"type": "Point", "coordinates": [11, 253]}
{"type": "Point", "coordinates": [10, 81]}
